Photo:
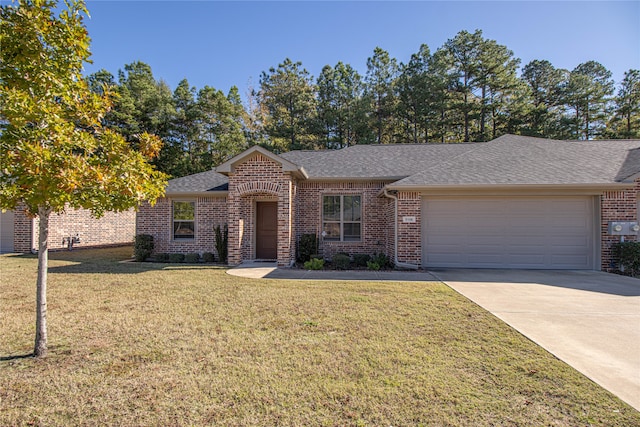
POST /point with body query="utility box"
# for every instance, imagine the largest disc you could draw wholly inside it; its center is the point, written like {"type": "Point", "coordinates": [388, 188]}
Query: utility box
{"type": "Point", "coordinates": [623, 228]}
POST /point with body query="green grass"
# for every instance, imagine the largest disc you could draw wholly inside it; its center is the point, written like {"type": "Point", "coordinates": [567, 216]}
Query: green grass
{"type": "Point", "coordinates": [151, 344]}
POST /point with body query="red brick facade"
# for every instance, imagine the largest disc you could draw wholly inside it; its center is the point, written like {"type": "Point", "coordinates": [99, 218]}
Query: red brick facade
{"type": "Point", "coordinates": [616, 206]}
{"type": "Point", "coordinates": [376, 232]}
{"type": "Point", "coordinates": [109, 230]}
{"type": "Point", "coordinates": [158, 221]}
{"type": "Point", "coordinates": [258, 178]}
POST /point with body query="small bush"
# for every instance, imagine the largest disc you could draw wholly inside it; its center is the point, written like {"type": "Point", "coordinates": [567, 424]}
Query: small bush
{"type": "Point", "coordinates": [176, 257]}
{"type": "Point", "coordinates": [341, 261]}
{"type": "Point", "coordinates": [314, 264]}
{"type": "Point", "coordinates": [373, 266]}
{"type": "Point", "coordinates": [222, 242]}
{"type": "Point", "coordinates": [628, 256]}
{"type": "Point", "coordinates": [382, 260]}
{"type": "Point", "coordinates": [208, 257]}
{"type": "Point", "coordinates": [361, 260]}
{"type": "Point", "coordinates": [163, 257]}
{"type": "Point", "coordinates": [143, 247]}
{"type": "Point", "coordinates": [192, 258]}
{"type": "Point", "coordinates": [307, 247]}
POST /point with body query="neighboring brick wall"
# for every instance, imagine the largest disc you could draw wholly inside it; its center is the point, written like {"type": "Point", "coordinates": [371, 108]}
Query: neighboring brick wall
{"type": "Point", "coordinates": [259, 178]}
{"type": "Point", "coordinates": [158, 221]}
{"type": "Point", "coordinates": [109, 230]}
{"type": "Point", "coordinates": [409, 234]}
{"type": "Point", "coordinates": [22, 231]}
{"type": "Point", "coordinates": [375, 216]}
{"type": "Point", "coordinates": [616, 206]}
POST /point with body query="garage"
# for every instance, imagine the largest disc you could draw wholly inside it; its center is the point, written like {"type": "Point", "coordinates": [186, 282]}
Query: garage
{"type": "Point", "coordinates": [509, 232]}
{"type": "Point", "coordinates": [6, 232]}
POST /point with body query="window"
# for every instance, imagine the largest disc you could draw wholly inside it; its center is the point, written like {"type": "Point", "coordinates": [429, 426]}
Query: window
{"type": "Point", "coordinates": [342, 218]}
{"type": "Point", "coordinates": [184, 224]}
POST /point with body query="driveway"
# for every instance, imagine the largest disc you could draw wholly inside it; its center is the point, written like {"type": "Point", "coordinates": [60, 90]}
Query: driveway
{"type": "Point", "coordinates": [590, 320]}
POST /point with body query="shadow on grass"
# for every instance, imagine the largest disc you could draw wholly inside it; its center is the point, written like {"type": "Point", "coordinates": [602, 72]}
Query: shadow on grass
{"type": "Point", "coordinates": [15, 357]}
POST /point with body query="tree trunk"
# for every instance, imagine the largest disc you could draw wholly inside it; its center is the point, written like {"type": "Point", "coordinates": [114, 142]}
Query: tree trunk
{"type": "Point", "coordinates": [40, 349]}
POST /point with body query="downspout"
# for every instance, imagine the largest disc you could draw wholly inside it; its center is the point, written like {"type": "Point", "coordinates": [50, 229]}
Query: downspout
{"type": "Point", "coordinates": [395, 234]}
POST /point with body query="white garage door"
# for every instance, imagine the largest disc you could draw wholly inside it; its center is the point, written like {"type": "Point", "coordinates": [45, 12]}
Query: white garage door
{"type": "Point", "coordinates": [549, 233]}
{"type": "Point", "coordinates": [6, 232]}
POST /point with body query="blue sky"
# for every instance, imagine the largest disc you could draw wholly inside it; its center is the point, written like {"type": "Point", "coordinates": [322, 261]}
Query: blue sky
{"type": "Point", "coordinates": [221, 44]}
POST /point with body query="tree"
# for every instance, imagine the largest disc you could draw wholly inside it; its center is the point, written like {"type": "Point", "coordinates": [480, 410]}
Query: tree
{"type": "Point", "coordinates": [626, 121]}
{"type": "Point", "coordinates": [545, 83]}
{"type": "Point", "coordinates": [414, 98]}
{"type": "Point", "coordinates": [341, 114]}
{"type": "Point", "coordinates": [586, 96]}
{"type": "Point", "coordinates": [382, 71]}
{"type": "Point", "coordinates": [219, 128]}
{"type": "Point", "coordinates": [54, 151]}
{"type": "Point", "coordinates": [288, 96]}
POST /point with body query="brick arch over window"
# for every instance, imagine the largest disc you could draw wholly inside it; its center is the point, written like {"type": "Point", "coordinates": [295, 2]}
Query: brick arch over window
{"type": "Point", "coordinates": [257, 187]}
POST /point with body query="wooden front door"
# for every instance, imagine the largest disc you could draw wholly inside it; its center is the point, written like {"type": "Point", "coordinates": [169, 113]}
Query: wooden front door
{"type": "Point", "coordinates": [266, 230]}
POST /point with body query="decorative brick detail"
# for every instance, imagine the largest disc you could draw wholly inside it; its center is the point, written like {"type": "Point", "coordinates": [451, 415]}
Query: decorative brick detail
{"type": "Point", "coordinates": [616, 206]}
{"type": "Point", "coordinates": [158, 221]}
{"type": "Point", "coordinates": [112, 229]}
{"type": "Point", "coordinates": [376, 213]}
{"type": "Point", "coordinates": [257, 187]}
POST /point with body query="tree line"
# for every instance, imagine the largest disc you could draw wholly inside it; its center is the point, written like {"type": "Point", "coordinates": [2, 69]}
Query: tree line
{"type": "Point", "coordinates": [467, 90]}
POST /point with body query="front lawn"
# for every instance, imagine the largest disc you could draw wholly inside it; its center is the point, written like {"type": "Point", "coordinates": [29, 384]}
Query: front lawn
{"type": "Point", "coordinates": [152, 344]}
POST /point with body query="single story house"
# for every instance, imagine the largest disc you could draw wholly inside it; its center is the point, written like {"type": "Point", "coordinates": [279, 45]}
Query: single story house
{"type": "Point", "coordinates": [514, 202]}
{"type": "Point", "coordinates": [19, 232]}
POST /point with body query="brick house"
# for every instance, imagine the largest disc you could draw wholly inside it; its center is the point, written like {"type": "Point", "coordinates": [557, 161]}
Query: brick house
{"type": "Point", "coordinates": [19, 232]}
{"type": "Point", "coordinates": [514, 202]}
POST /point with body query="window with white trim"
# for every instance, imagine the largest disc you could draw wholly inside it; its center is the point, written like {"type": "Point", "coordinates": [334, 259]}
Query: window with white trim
{"type": "Point", "coordinates": [184, 220]}
{"type": "Point", "coordinates": [342, 218]}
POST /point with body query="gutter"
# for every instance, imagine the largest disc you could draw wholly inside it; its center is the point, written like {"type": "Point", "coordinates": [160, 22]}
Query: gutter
{"type": "Point", "coordinates": [395, 234]}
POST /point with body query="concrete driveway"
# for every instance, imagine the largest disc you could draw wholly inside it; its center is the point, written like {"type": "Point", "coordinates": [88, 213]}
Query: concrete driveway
{"type": "Point", "coordinates": [590, 320]}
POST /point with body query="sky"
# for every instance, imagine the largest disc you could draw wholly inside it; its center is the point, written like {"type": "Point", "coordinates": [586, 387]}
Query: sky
{"type": "Point", "coordinates": [221, 44]}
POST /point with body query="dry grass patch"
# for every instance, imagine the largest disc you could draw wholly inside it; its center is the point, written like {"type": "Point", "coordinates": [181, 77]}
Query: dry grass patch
{"type": "Point", "coordinates": [152, 344]}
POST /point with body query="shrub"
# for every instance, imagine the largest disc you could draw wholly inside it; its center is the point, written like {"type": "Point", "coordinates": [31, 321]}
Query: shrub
{"type": "Point", "coordinates": [176, 257]}
{"type": "Point", "coordinates": [314, 264]}
{"type": "Point", "coordinates": [382, 260]}
{"type": "Point", "coordinates": [143, 247]}
{"type": "Point", "coordinates": [628, 256]}
{"type": "Point", "coordinates": [163, 257]}
{"type": "Point", "coordinates": [208, 257]}
{"type": "Point", "coordinates": [361, 260]}
{"type": "Point", "coordinates": [192, 258]}
{"type": "Point", "coordinates": [222, 242]}
{"type": "Point", "coordinates": [307, 247]}
{"type": "Point", "coordinates": [373, 266]}
{"type": "Point", "coordinates": [341, 261]}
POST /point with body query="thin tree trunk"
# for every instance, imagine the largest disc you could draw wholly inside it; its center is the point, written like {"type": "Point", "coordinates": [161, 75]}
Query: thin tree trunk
{"type": "Point", "coordinates": [40, 349]}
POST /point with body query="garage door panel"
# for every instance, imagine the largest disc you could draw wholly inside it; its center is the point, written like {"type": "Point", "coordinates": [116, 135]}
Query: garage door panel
{"type": "Point", "coordinates": [535, 232]}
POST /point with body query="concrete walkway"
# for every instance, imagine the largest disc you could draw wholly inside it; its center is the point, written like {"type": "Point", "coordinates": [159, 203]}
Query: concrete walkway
{"type": "Point", "coordinates": [268, 270]}
{"type": "Point", "coordinates": [590, 320]}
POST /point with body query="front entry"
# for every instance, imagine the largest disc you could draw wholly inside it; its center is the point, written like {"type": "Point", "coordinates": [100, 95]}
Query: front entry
{"type": "Point", "coordinates": [266, 230]}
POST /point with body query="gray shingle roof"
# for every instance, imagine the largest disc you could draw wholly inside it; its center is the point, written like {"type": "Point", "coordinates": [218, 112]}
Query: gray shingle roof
{"type": "Point", "coordinates": [517, 160]}
{"type": "Point", "coordinates": [508, 160]}
{"type": "Point", "coordinates": [208, 181]}
{"type": "Point", "coordinates": [384, 162]}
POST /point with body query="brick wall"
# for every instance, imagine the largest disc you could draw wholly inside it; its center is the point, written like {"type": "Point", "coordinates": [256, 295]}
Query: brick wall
{"type": "Point", "coordinates": [259, 178]}
{"type": "Point", "coordinates": [158, 221]}
{"type": "Point", "coordinates": [111, 229]}
{"type": "Point", "coordinates": [409, 233]}
{"type": "Point", "coordinates": [375, 216]}
{"type": "Point", "coordinates": [616, 206]}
